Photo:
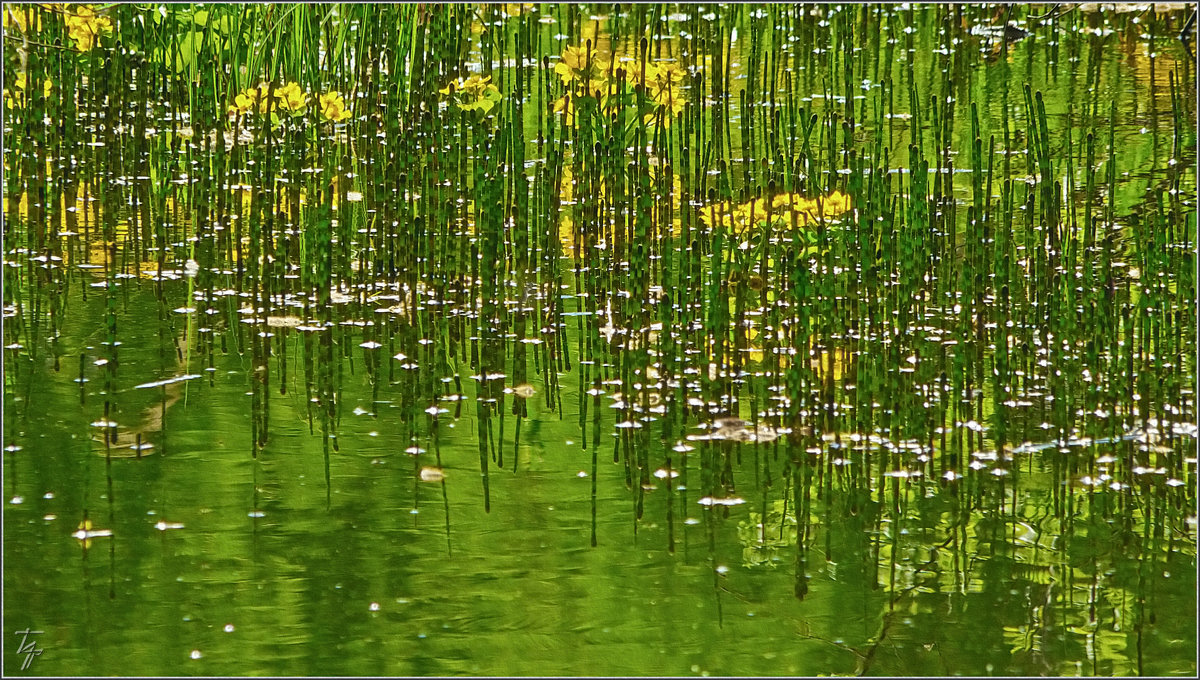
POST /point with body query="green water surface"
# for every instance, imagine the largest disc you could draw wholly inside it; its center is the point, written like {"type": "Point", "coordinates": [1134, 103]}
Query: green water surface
{"type": "Point", "coordinates": [986, 464]}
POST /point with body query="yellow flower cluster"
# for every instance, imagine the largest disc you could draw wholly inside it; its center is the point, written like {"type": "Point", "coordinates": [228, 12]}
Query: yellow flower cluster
{"type": "Point", "coordinates": [664, 82]}
{"type": "Point", "coordinates": [85, 26]}
{"type": "Point", "coordinates": [786, 210]}
{"type": "Point", "coordinates": [288, 99]}
{"type": "Point", "coordinates": [475, 92]}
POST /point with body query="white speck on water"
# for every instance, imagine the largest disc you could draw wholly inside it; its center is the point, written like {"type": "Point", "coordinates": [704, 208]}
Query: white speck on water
{"type": "Point", "coordinates": [709, 501]}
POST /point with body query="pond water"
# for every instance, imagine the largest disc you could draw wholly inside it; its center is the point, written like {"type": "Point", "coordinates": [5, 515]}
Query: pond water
{"type": "Point", "coordinates": [599, 340]}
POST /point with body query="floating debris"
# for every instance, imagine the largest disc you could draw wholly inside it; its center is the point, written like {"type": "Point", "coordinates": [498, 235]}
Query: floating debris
{"type": "Point", "coordinates": [168, 381]}
{"type": "Point", "coordinates": [523, 391]}
{"type": "Point", "coordinates": [432, 474]}
{"type": "Point", "coordinates": [285, 321]}
{"type": "Point", "coordinates": [710, 501]}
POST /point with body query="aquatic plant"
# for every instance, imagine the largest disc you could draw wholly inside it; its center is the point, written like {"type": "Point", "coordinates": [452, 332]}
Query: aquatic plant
{"type": "Point", "coordinates": [288, 99]}
{"type": "Point", "coordinates": [746, 258]}
{"type": "Point", "coordinates": [475, 93]}
{"type": "Point", "coordinates": [333, 107]}
{"type": "Point", "coordinates": [664, 83]}
{"type": "Point", "coordinates": [16, 96]}
{"type": "Point", "coordinates": [577, 66]}
{"type": "Point", "coordinates": [781, 212]}
{"type": "Point", "coordinates": [85, 25]}
{"type": "Point", "coordinates": [292, 99]}
{"type": "Point", "coordinates": [245, 101]}
{"type": "Point", "coordinates": [593, 79]}
{"type": "Point", "coordinates": [516, 9]}
{"type": "Point", "coordinates": [17, 17]}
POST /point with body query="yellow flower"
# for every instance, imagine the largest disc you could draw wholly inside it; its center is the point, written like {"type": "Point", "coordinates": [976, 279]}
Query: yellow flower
{"type": "Point", "coordinates": [17, 96]}
{"type": "Point", "coordinates": [786, 210]}
{"type": "Point", "coordinates": [664, 87]}
{"type": "Point", "coordinates": [333, 107]}
{"type": "Point", "coordinates": [574, 66]}
{"type": "Point", "coordinates": [475, 86]}
{"type": "Point", "coordinates": [244, 101]}
{"type": "Point", "coordinates": [14, 96]}
{"type": "Point", "coordinates": [633, 69]}
{"type": "Point", "coordinates": [573, 59]}
{"type": "Point", "coordinates": [664, 74]}
{"type": "Point", "coordinates": [472, 87]}
{"type": "Point", "coordinates": [18, 18]}
{"type": "Point", "coordinates": [669, 101]}
{"type": "Point", "coordinates": [473, 93]}
{"type": "Point", "coordinates": [85, 26]}
{"type": "Point", "coordinates": [292, 97]}
{"type": "Point", "coordinates": [263, 98]}
{"type": "Point", "coordinates": [514, 9]}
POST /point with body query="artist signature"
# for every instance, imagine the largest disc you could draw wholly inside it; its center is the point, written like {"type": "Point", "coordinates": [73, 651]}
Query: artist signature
{"type": "Point", "coordinates": [28, 647]}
